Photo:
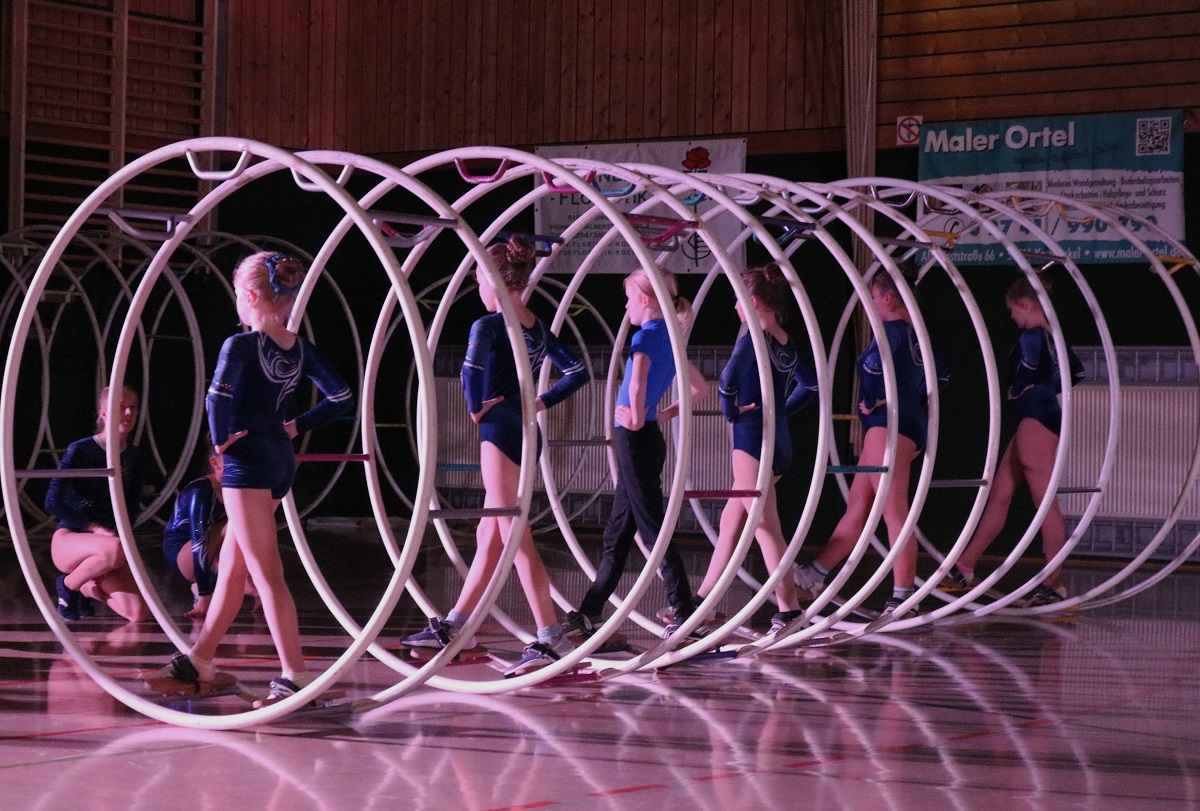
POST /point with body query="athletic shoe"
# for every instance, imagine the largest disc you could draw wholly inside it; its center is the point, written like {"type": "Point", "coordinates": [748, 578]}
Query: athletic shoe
{"type": "Point", "coordinates": [955, 581]}
{"type": "Point", "coordinates": [698, 632]}
{"type": "Point", "coordinates": [891, 610]}
{"type": "Point", "coordinates": [181, 669]}
{"type": "Point", "coordinates": [68, 599]}
{"type": "Point", "coordinates": [666, 615]}
{"type": "Point", "coordinates": [577, 624]}
{"type": "Point", "coordinates": [782, 618]}
{"type": "Point", "coordinates": [281, 688]}
{"type": "Point", "coordinates": [807, 581]}
{"type": "Point", "coordinates": [436, 635]}
{"type": "Point", "coordinates": [538, 655]}
{"type": "Point", "coordinates": [1044, 595]}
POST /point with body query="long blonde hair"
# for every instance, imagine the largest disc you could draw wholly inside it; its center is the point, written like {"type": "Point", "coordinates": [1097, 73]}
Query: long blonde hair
{"type": "Point", "coordinates": [640, 278]}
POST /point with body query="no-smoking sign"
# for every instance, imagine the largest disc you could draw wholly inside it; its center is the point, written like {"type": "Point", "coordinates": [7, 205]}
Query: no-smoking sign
{"type": "Point", "coordinates": [908, 130]}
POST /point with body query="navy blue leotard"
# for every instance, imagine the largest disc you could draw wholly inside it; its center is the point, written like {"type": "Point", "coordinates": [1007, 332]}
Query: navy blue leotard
{"type": "Point", "coordinates": [250, 390]}
{"type": "Point", "coordinates": [489, 371]}
{"type": "Point", "coordinates": [79, 503]}
{"type": "Point", "coordinates": [1034, 381]}
{"type": "Point", "coordinates": [910, 382]}
{"type": "Point", "coordinates": [794, 384]}
{"type": "Point", "coordinates": [197, 509]}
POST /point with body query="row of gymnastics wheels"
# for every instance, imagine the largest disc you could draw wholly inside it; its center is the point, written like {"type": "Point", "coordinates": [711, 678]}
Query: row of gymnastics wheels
{"type": "Point", "coordinates": [400, 218]}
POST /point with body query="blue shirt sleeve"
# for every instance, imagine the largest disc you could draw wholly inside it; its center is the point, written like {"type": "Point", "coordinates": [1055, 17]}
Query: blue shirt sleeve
{"type": "Point", "coordinates": [575, 374]}
{"type": "Point", "coordinates": [337, 399]}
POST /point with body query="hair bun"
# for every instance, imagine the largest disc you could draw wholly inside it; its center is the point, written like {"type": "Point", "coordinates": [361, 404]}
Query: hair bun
{"type": "Point", "coordinates": [520, 251]}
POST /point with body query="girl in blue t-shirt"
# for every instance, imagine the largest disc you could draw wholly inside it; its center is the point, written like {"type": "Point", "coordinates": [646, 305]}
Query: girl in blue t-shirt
{"type": "Point", "coordinates": [1034, 384]}
{"type": "Point", "coordinates": [493, 394]}
{"type": "Point", "coordinates": [794, 384]}
{"type": "Point", "coordinates": [640, 452]}
{"type": "Point", "coordinates": [256, 373]}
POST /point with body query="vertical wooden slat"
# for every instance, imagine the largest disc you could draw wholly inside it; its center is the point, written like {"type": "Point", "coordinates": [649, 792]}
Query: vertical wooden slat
{"type": "Point", "coordinates": [814, 53]}
{"type": "Point", "coordinates": [660, 48]}
{"type": "Point", "coordinates": [518, 90]}
{"type": "Point", "coordinates": [565, 43]}
{"type": "Point", "coordinates": [706, 57]}
{"type": "Point", "coordinates": [549, 130]}
{"type": "Point", "coordinates": [413, 72]}
{"type": "Point", "coordinates": [832, 79]}
{"type": "Point", "coordinates": [775, 89]}
{"type": "Point", "coordinates": [598, 128]}
{"type": "Point", "coordinates": [635, 69]}
{"type": "Point", "coordinates": [585, 72]}
{"type": "Point", "coordinates": [618, 73]}
{"type": "Point", "coordinates": [744, 84]}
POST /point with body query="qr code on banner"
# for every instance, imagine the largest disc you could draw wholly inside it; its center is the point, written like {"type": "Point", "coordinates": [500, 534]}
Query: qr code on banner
{"type": "Point", "coordinates": [1153, 136]}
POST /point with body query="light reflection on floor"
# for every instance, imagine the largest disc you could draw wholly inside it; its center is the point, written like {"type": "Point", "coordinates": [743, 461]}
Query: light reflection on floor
{"type": "Point", "coordinates": [1098, 712]}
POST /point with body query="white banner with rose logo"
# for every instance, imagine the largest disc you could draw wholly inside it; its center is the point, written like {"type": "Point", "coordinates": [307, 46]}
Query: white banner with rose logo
{"type": "Point", "coordinates": [689, 252]}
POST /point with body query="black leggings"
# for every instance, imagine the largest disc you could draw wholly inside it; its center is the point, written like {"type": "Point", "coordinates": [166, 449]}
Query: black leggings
{"type": "Point", "coordinates": [637, 507]}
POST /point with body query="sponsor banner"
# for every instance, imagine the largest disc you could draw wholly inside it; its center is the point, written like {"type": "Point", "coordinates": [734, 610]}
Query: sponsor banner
{"type": "Point", "coordinates": [1133, 161]}
{"type": "Point", "coordinates": [553, 213]}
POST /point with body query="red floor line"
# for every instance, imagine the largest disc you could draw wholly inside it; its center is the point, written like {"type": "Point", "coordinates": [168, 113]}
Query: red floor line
{"type": "Point", "coordinates": [630, 790]}
{"type": "Point", "coordinates": [542, 804]}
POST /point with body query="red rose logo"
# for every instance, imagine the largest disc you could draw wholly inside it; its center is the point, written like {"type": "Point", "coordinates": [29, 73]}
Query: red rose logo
{"type": "Point", "coordinates": [697, 159]}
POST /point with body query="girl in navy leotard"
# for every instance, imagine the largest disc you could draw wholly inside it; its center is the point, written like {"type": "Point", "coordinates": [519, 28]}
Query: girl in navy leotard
{"type": "Point", "coordinates": [1034, 383]}
{"type": "Point", "coordinates": [85, 546]}
{"type": "Point", "coordinates": [193, 537]}
{"type": "Point", "coordinates": [794, 385]}
{"type": "Point", "coordinates": [256, 373]}
{"type": "Point", "coordinates": [640, 453]}
{"type": "Point", "coordinates": [910, 370]}
{"type": "Point", "coordinates": [493, 394]}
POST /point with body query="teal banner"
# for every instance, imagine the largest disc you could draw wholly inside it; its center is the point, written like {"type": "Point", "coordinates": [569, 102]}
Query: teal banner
{"type": "Point", "coordinates": [1133, 161]}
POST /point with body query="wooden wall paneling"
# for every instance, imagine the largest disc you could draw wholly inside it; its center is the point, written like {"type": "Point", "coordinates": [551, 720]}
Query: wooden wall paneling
{"type": "Point", "coordinates": [471, 42]}
{"type": "Point", "coordinates": [758, 32]}
{"type": "Point", "coordinates": [356, 92]}
{"type": "Point", "coordinates": [519, 88]}
{"type": "Point", "coordinates": [635, 69]}
{"type": "Point", "coordinates": [561, 39]}
{"type": "Point", "coordinates": [705, 49]}
{"type": "Point", "coordinates": [375, 122]}
{"type": "Point", "coordinates": [455, 44]}
{"type": "Point", "coordinates": [796, 55]}
{"type": "Point", "coordinates": [1063, 80]}
{"type": "Point", "coordinates": [832, 83]}
{"type": "Point", "coordinates": [489, 86]}
{"type": "Point", "coordinates": [618, 125]}
{"type": "Point", "coordinates": [814, 67]}
{"type": "Point", "coordinates": [724, 64]}
{"type": "Point", "coordinates": [774, 89]}
{"type": "Point", "coordinates": [544, 45]}
{"type": "Point", "coordinates": [336, 52]}
{"type": "Point", "coordinates": [743, 39]}
{"type": "Point", "coordinates": [684, 103]}
{"type": "Point", "coordinates": [1182, 45]}
{"type": "Point", "coordinates": [584, 47]}
{"type": "Point", "coordinates": [429, 47]}
{"type": "Point", "coordinates": [411, 49]}
{"type": "Point", "coordinates": [259, 122]}
{"type": "Point", "coordinates": [598, 128]}
{"type": "Point", "coordinates": [660, 73]}
{"type": "Point", "coordinates": [1028, 14]}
